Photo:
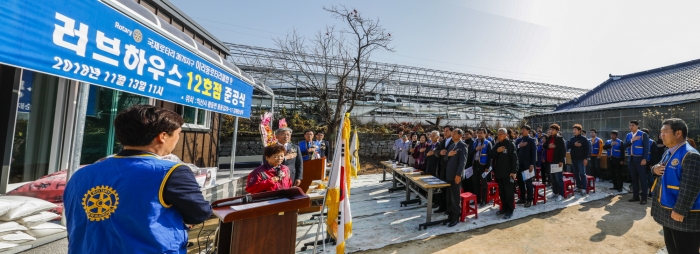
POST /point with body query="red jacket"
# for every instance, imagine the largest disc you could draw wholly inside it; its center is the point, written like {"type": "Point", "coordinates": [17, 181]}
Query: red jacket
{"type": "Point", "coordinates": [260, 180]}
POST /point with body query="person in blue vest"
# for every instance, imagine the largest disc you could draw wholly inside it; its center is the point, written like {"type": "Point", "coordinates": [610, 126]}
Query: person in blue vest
{"type": "Point", "coordinates": [676, 204]}
{"type": "Point", "coordinates": [651, 160]}
{"type": "Point", "coordinates": [307, 146]}
{"type": "Point", "coordinates": [596, 152]}
{"type": "Point", "coordinates": [615, 159]}
{"type": "Point", "coordinates": [135, 202]}
{"type": "Point", "coordinates": [638, 143]}
{"type": "Point", "coordinates": [480, 164]}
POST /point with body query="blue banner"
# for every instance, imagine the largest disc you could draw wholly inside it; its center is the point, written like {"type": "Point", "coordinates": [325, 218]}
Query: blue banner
{"type": "Point", "coordinates": [89, 41]}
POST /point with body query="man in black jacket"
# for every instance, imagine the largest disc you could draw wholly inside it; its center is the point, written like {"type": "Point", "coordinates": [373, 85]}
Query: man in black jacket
{"type": "Point", "coordinates": [580, 151]}
{"type": "Point", "coordinates": [555, 154]}
{"type": "Point", "coordinates": [468, 184]}
{"type": "Point", "coordinates": [505, 169]}
{"type": "Point", "coordinates": [323, 145]}
{"type": "Point", "coordinates": [527, 158]}
{"type": "Point", "coordinates": [442, 155]}
{"type": "Point", "coordinates": [456, 160]}
{"type": "Point", "coordinates": [652, 159]}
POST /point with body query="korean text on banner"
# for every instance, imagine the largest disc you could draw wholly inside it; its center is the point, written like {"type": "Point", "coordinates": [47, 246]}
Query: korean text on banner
{"type": "Point", "coordinates": [89, 41]}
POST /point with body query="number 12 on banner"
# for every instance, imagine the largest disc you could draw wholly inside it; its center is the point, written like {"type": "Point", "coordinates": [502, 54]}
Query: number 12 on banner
{"type": "Point", "coordinates": [205, 86]}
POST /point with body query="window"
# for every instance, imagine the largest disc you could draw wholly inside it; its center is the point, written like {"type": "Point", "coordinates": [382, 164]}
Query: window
{"type": "Point", "coordinates": [195, 119]}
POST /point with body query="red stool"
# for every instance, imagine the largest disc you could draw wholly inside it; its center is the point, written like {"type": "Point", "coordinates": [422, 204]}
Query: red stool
{"type": "Point", "coordinates": [537, 197]}
{"type": "Point", "coordinates": [568, 187]}
{"type": "Point", "coordinates": [591, 184]}
{"type": "Point", "coordinates": [538, 175]}
{"type": "Point", "coordinates": [492, 192]}
{"type": "Point", "coordinates": [467, 208]}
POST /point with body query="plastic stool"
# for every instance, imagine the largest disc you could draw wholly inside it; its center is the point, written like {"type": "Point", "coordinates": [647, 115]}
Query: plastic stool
{"type": "Point", "coordinates": [591, 184]}
{"type": "Point", "coordinates": [568, 187]}
{"type": "Point", "coordinates": [537, 197]}
{"type": "Point", "coordinates": [492, 192]}
{"type": "Point", "coordinates": [467, 208]}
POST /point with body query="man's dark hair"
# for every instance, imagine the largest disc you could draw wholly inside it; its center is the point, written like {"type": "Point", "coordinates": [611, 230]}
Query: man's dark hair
{"type": "Point", "coordinates": [527, 127]}
{"type": "Point", "coordinates": [583, 132]}
{"type": "Point", "coordinates": [614, 132]}
{"type": "Point", "coordinates": [470, 132]}
{"type": "Point", "coordinates": [482, 130]}
{"type": "Point", "coordinates": [594, 130]}
{"type": "Point", "coordinates": [320, 132]}
{"type": "Point", "coordinates": [273, 149]}
{"type": "Point", "coordinates": [539, 126]}
{"type": "Point", "coordinates": [489, 131]}
{"type": "Point", "coordinates": [140, 124]}
{"type": "Point", "coordinates": [635, 122]}
{"type": "Point", "coordinates": [307, 131]}
{"type": "Point", "coordinates": [645, 130]}
{"type": "Point", "coordinates": [677, 124]}
{"type": "Point", "coordinates": [578, 127]}
{"type": "Point", "coordinates": [448, 127]}
{"type": "Point", "coordinates": [555, 127]}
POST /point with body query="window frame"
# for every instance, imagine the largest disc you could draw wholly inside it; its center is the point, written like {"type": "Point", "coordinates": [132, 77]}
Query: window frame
{"type": "Point", "coordinates": [196, 126]}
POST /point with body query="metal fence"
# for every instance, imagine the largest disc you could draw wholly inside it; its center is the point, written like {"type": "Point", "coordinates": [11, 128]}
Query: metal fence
{"type": "Point", "coordinates": [618, 119]}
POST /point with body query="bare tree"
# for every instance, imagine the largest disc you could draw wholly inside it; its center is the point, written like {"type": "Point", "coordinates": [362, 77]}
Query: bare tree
{"type": "Point", "coordinates": [333, 66]}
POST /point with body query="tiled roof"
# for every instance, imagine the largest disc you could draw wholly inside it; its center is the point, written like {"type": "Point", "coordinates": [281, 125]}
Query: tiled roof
{"type": "Point", "coordinates": [624, 91]}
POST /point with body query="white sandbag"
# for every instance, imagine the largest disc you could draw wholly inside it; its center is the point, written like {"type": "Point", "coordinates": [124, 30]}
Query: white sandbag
{"type": "Point", "coordinates": [7, 205]}
{"type": "Point", "coordinates": [11, 227]}
{"type": "Point", "coordinates": [37, 219]}
{"type": "Point", "coordinates": [16, 237]}
{"type": "Point", "coordinates": [4, 246]}
{"type": "Point", "coordinates": [45, 230]}
{"type": "Point", "coordinates": [29, 206]}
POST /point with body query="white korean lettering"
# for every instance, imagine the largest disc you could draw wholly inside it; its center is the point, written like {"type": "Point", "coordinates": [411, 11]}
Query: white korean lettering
{"type": "Point", "coordinates": [121, 79]}
{"type": "Point", "coordinates": [134, 59]}
{"type": "Point", "coordinates": [68, 29]}
{"type": "Point", "coordinates": [241, 99]}
{"type": "Point", "coordinates": [227, 94]}
{"type": "Point", "coordinates": [86, 70]}
{"type": "Point", "coordinates": [234, 100]}
{"type": "Point", "coordinates": [159, 65]}
{"type": "Point", "coordinates": [94, 73]}
{"type": "Point", "coordinates": [177, 73]}
{"type": "Point", "coordinates": [113, 49]}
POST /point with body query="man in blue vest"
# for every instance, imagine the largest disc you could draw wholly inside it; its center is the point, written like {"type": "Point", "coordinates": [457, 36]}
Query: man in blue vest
{"type": "Point", "coordinates": [480, 164]}
{"type": "Point", "coordinates": [135, 202]}
{"type": "Point", "coordinates": [615, 159]}
{"type": "Point", "coordinates": [596, 152]}
{"type": "Point", "coordinates": [638, 143]}
{"type": "Point", "coordinates": [676, 204]}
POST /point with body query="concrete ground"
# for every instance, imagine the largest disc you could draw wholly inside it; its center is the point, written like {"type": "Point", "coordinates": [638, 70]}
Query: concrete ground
{"type": "Point", "coordinates": [610, 225]}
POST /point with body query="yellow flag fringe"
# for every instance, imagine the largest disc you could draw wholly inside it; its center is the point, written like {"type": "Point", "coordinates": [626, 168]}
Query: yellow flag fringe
{"type": "Point", "coordinates": [333, 199]}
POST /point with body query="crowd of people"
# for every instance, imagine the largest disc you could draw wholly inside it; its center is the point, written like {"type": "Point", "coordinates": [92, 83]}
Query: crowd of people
{"type": "Point", "coordinates": [512, 157]}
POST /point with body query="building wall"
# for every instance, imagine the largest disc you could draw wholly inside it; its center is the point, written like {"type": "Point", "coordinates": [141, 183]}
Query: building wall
{"type": "Point", "coordinates": [197, 147]}
{"type": "Point", "coordinates": [618, 119]}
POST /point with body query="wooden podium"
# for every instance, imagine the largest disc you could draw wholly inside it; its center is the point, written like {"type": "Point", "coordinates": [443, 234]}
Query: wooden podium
{"type": "Point", "coordinates": [265, 225]}
{"type": "Point", "coordinates": [313, 170]}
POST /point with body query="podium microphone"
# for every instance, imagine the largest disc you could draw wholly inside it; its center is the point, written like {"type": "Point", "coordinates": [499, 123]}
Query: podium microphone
{"type": "Point", "coordinates": [244, 200]}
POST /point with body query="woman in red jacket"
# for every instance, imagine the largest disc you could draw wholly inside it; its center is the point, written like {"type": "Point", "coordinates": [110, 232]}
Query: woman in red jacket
{"type": "Point", "coordinates": [271, 175]}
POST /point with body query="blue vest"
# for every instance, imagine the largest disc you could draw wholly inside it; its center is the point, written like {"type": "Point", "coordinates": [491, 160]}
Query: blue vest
{"type": "Point", "coordinates": [671, 179]}
{"type": "Point", "coordinates": [649, 153]}
{"type": "Point", "coordinates": [595, 146]}
{"type": "Point", "coordinates": [304, 147]}
{"type": "Point", "coordinates": [614, 151]}
{"type": "Point", "coordinates": [116, 206]}
{"type": "Point", "coordinates": [484, 156]}
{"type": "Point", "coordinates": [637, 146]}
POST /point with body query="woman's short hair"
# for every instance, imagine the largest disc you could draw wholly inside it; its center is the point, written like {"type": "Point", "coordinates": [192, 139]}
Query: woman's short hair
{"type": "Point", "coordinates": [140, 124]}
{"type": "Point", "coordinates": [273, 149]}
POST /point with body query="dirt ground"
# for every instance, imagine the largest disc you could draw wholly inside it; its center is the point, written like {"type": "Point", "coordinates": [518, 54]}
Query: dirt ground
{"type": "Point", "coordinates": [610, 225]}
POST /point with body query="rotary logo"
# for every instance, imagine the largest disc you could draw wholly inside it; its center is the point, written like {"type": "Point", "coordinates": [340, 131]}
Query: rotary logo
{"type": "Point", "coordinates": [674, 162]}
{"type": "Point", "coordinates": [138, 36]}
{"type": "Point", "coordinates": [100, 202]}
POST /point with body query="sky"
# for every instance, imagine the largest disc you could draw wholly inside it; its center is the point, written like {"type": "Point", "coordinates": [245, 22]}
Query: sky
{"type": "Point", "coordinates": [568, 43]}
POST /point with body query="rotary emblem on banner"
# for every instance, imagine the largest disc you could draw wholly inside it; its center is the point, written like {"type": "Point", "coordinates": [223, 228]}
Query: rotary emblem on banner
{"type": "Point", "coordinates": [138, 36]}
{"type": "Point", "coordinates": [674, 162]}
{"type": "Point", "coordinates": [100, 202]}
